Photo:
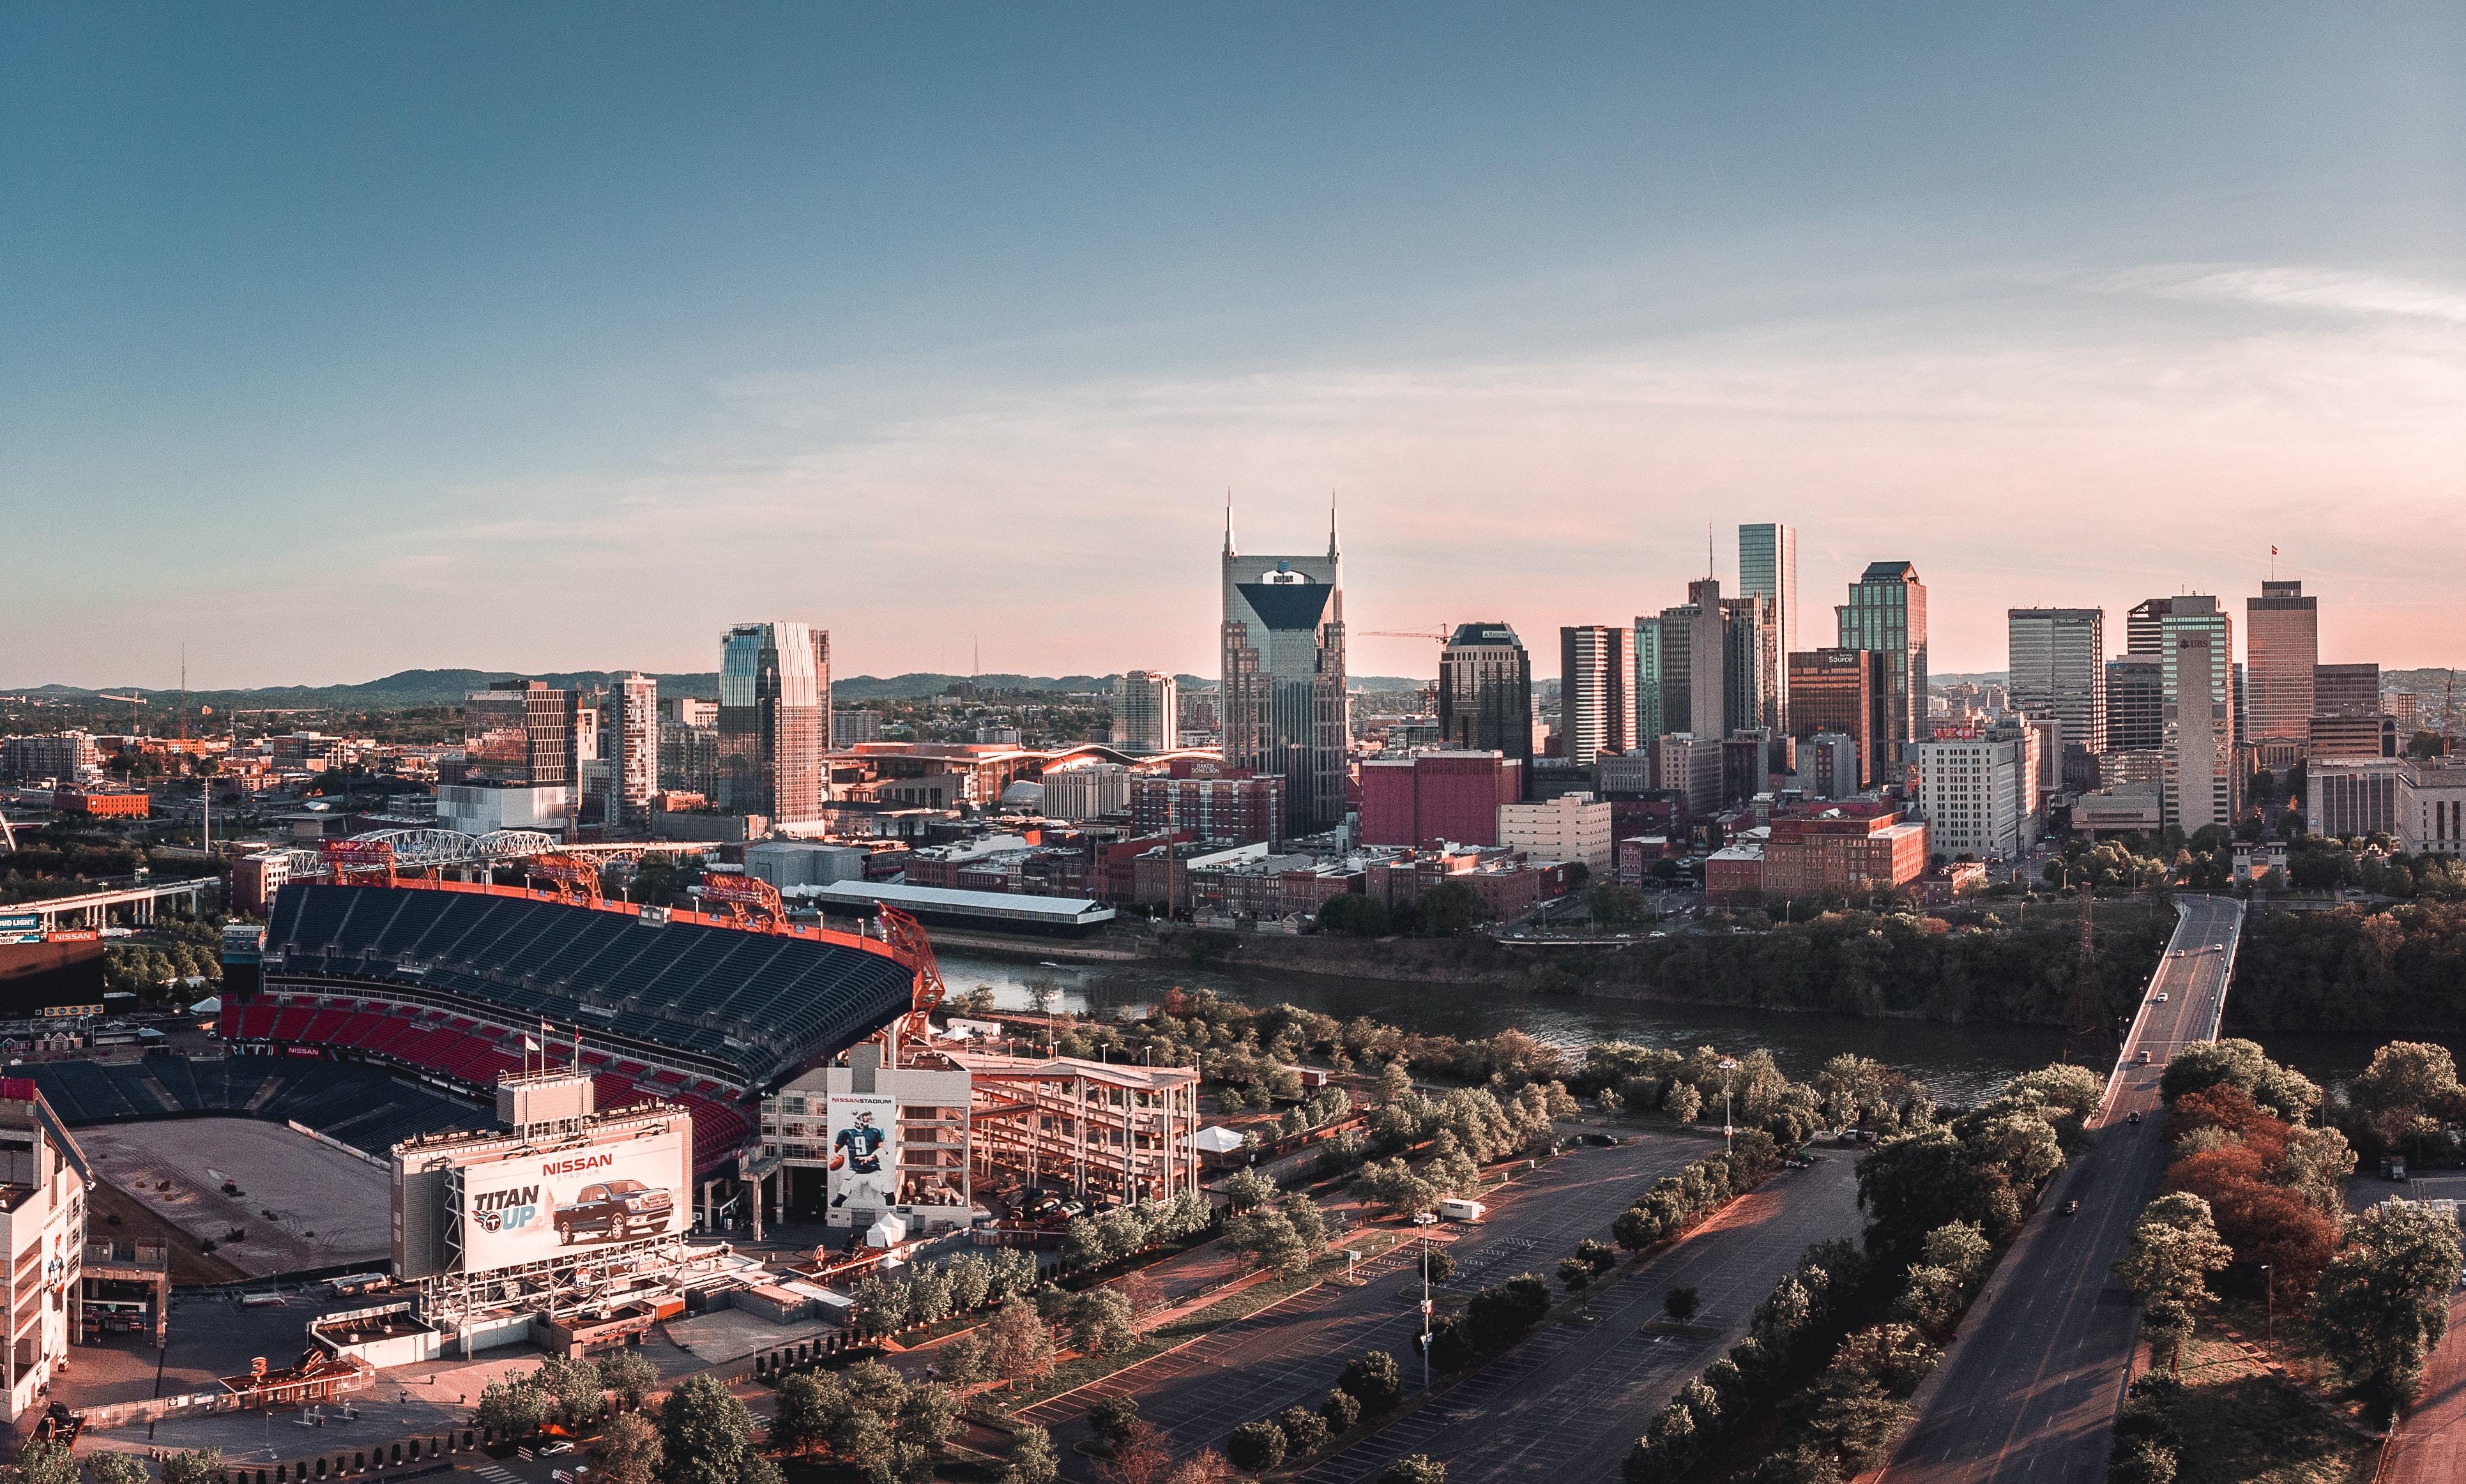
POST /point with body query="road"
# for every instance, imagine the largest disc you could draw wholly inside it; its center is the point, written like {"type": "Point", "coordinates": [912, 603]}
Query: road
{"type": "Point", "coordinates": [1563, 1405]}
{"type": "Point", "coordinates": [2029, 1389]}
{"type": "Point", "coordinates": [1292, 1354]}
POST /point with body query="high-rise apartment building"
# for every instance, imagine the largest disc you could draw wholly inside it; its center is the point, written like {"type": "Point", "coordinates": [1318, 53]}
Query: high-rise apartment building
{"type": "Point", "coordinates": [1975, 793]}
{"type": "Point", "coordinates": [774, 720]}
{"type": "Point", "coordinates": [1768, 569]}
{"type": "Point", "coordinates": [1147, 712]}
{"type": "Point", "coordinates": [2135, 703]}
{"type": "Point", "coordinates": [2199, 729]}
{"type": "Point", "coordinates": [1284, 706]}
{"type": "Point", "coordinates": [851, 726]}
{"type": "Point", "coordinates": [1486, 694]}
{"type": "Point", "coordinates": [2057, 658]}
{"type": "Point", "coordinates": [1886, 614]}
{"type": "Point", "coordinates": [1595, 713]}
{"type": "Point", "coordinates": [2281, 641]}
{"type": "Point", "coordinates": [631, 751]}
{"type": "Point", "coordinates": [2145, 627]}
{"type": "Point", "coordinates": [1844, 691]}
{"type": "Point", "coordinates": [1707, 670]}
{"type": "Point", "coordinates": [520, 732]}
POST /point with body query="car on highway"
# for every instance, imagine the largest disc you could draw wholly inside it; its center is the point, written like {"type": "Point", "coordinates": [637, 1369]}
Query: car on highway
{"type": "Point", "coordinates": [2072, 1208]}
{"type": "Point", "coordinates": [613, 1210]}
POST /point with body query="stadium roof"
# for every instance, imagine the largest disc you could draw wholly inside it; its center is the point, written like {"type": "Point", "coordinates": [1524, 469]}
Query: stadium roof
{"type": "Point", "coordinates": [955, 905]}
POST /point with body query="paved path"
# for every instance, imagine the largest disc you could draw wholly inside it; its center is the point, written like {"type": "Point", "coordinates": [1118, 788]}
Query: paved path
{"type": "Point", "coordinates": [2029, 1390]}
{"type": "Point", "coordinates": [2430, 1446]}
{"type": "Point", "coordinates": [1563, 1405]}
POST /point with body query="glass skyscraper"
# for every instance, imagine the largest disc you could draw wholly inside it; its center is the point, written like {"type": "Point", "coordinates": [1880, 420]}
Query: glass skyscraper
{"type": "Point", "coordinates": [1485, 693]}
{"type": "Point", "coordinates": [1283, 677]}
{"type": "Point", "coordinates": [1768, 569]}
{"type": "Point", "coordinates": [1887, 613]}
{"type": "Point", "coordinates": [774, 720]}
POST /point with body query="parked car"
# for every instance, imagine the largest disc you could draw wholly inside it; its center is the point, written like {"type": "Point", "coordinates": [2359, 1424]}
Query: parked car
{"type": "Point", "coordinates": [1603, 1140]}
{"type": "Point", "coordinates": [613, 1210]}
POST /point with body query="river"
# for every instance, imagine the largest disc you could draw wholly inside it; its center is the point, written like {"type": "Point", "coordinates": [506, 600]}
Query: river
{"type": "Point", "coordinates": [1959, 1063]}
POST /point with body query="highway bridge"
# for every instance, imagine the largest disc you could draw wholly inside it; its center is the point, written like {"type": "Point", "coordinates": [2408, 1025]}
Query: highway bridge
{"type": "Point", "coordinates": [137, 903]}
{"type": "Point", "coordinates": [2030, 1389]}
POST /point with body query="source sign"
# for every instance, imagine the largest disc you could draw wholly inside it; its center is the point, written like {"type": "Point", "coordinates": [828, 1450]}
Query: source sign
{"type": "Point", "coordinates": [538, 1205]}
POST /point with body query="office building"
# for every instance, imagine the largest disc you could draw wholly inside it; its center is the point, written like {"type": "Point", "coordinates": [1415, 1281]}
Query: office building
{"type": "Point", "coordinates": [1974, 792]}
{"type": "Point", "coordinates": [2349, 734]}
{"type": "Point", "coordinates": [1485, 693]}
{"type": "Point", "coordinates": [1846, 693]}
{"type": "Point", "coordinates": [1886, 614]}
{"type": "Point", "coordinates": [2057, 658]}
{"type": "Point", "coordinates": [1452, 796]}
{"type": "Point", "coordinates": [2135, 703]}
{"type": "Point", "coordinates": [1708, 668]}
{"type": "Point", "coordinates": [2281, 647]}
{"type": "Point", "coordinates": [1573, 827]}
{"type": "Point", "coordinates": [1750, 689]}
{"type": "Point", "coordinates": [2145, 627]}
{"type": "Point", "coordinates": [774, 720]}
{"type": "Point", "coordinates": [1645, 642]}
{"type": "Point", "coordinates": [520, 732]}
{"type": "Point", "coordinates": [1673, 634]}
{"type": "Point", "coordinates": [1768, 570]}
{"type": "Point", "coordinates": [1595, 713]}
{"type": "Point", "coordinates": [2345, 690]}
{"type": "Point", "coordinates": [2199, 744]}
{"type": "Point", "coordinates": [1828, 767]}
{"type": "Point", "coordinates": [1690, 766]}
{"type": "Point", "coordinates": [631, 754]}
{"type": "Point", "coordinates": [1282, 695]}
{"type": "Point", "coordinates": [2419, 802]}
{"type": "Point", "coordinates": [43, 1181]}
{"type": "Point", "coordinates": [849, 727]}
{"type": "Point", "coordinates": [1147, 712]}
{"type": "Point", "coordinates": [1827, 855]}
{"type": "Point", "coordinates": [1086, 790]}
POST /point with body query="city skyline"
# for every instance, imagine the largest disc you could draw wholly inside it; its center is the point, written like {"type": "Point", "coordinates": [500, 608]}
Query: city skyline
{"type": "Point", "coordinates": [425, 334]}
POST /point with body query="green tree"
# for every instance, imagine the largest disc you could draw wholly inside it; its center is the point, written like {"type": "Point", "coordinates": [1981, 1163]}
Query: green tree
{"type": "Point", "coordinates": [1681, 1303]}
{"type": "Point", "coordinates": [116, 1469]}
{"type": "Point", "coordinates": [2175, 1246]}
{"type": "Point", "coordinates": [1017, 1345]}
{"type": "Point", "coordinates": [1101, 1322]}
{"type": "Point", "coordinates": [1249, 1188]}
{"type": "Point", "coordinates": [1256, 1446]}
{"type": "Point", "coordinates": [1450, 909]}
{"type": "Point", "coordinates": [627, 1451]}
{"type": "Point", "coordinates": [1031, 1458]}
{"type": "Point", "coordinates": [513, 1409]}
{"type": "Point", "coordinates": [2383, 1302]}
{"type": "Point", "coordinates": [1305, 1431]}
{"type": "Point", "coordinates": [630, 1375]}
{"type": "Point", "coordinates": [702, 1433]}
{"type": "Point", "coordinates": [191, 1466]}
{"type": "Point", "coordinates": [1375, 1380]}
{"type": "Point", "coordinates": [1414, 1469]}
{"type": "Point", "coordinates": [42, 1461]}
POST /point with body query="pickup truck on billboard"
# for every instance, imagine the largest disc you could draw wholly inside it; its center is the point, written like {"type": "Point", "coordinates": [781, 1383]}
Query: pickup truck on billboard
{"type": "Point", "coordinates": [613, 1210]}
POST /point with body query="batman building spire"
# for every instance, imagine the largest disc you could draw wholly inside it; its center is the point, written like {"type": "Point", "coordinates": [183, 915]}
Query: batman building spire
{"type": "Point", "coordinates": [1283, 696]}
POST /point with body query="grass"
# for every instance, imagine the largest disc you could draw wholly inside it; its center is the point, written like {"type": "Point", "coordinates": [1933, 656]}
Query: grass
{"type": "Point", "coordinates": [2298, 1347]}
{"type": "Point", "coordinates": [2241, 1424]}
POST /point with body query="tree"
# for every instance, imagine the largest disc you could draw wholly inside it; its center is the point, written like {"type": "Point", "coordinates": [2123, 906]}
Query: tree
{"type": "Point", "coordinates": [1450, 909]}
{"type": "Point", "coordinates": [1100, 1323]}
{"type": "Point", "coordinates": [1395, 1080]}
{"type": "Point", "coordinates": [1031, 1458]}
{"type": "Point", "coordinates": [627, 1451]}
{"type": "Point", "coordinates": [2175, 1246]}
{"type": "Point", "coordinates": [630, 1373]}
{"type": "Point", "coordinates": [1207, 1466]}
{"type": "Point", "coordinates": [572, 1391]}
{"type": "Point", "coordinates": [1305, 1431]}
{"type": "Point", "coordinates": [1342, 1410]}
{"type": "Point", "coordinates": [809, 1412]}
{"type": "Point", "coordinates": [1256, 1446]}
{"type": "Point", "coordinates": [1375, 1380]}
{"type": "Point", "coordinates": [513, 1409]}
{"type": "Point", "coordinates": [1414, 1469]}
{"type": "Point", "coordinates": [1141, 1457]}
{"type": "Point", "coordinates": [1249, 1188]}
{"type": "Point", "coordinates": [191, 1466]}
{"type": "Point", "coordinates": [1357, 915]}
{"type": "Point", "coordinates": [42, 1461]}
{"type": "Point", "coordinates": [1681, 1304]}
{"type": "Point", "coordinates": [1017, 1345]}
{"type": "Point", "coordinates": [1108, 1415]}
{"type": "Point", "coordinates": [702, 1433]}
{"type": "Point", "coordinates": [2405, 1079]}
{"type": "Point", "coordinates": [2383, 1302]}
{"type": "Point", "coordinates": [1575, 1276]}
{"type": "Point", "coordinates": [2284, 1092]}
{"type": "Point", "coordinates": [112, 1468]}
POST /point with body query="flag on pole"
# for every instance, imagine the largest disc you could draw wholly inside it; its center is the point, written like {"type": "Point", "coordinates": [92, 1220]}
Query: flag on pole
{"type": "Point", "coordinates": [530, 1044]}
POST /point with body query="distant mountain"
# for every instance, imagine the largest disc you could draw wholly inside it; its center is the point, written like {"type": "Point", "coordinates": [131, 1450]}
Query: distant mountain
{"type": "Point", "coordinates": [409, 688]}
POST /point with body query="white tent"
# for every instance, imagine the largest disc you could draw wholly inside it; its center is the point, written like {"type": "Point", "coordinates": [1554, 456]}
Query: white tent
{"type": "Point", "coordinates": [210, 1004]}
{"type": "Point", "coordinates": [1218, 1140]}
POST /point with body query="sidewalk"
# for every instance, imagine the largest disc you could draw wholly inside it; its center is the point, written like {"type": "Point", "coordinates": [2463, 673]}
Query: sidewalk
{"type": "Point", "coordinates": [2430, 1443]}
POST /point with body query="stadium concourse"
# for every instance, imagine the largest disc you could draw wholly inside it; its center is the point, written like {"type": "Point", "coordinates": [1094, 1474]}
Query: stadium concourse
{"type": "Point", "coordinates": [449, 978]}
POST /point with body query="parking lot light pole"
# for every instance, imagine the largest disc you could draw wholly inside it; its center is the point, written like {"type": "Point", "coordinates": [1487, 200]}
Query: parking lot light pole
{"type": "Point", "coordinates": [1728, 1065]}
{"type": "Point", "coordinates": [1425, 1221]}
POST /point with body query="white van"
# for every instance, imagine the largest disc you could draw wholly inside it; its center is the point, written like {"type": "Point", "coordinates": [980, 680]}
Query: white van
{"type": "Point", "coordinates": [1453, 1209]}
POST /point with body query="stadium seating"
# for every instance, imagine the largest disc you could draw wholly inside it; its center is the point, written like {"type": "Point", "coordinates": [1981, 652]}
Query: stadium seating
{"type": "Point", "coordinates": [363, 1106]}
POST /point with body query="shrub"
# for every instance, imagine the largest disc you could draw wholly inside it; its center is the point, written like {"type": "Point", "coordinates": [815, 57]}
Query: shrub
{"type": "Point", "coordinates": [1256, 1446]}
{"type": "Point", "coordinates": [1375, 1381]}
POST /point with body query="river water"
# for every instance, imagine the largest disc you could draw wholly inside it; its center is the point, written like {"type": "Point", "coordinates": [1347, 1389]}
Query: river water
{"type": "Point", "coordinates": [1959, 1063]}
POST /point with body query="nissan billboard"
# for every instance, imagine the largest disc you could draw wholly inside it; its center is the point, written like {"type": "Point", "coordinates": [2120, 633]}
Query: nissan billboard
{"type": "Point", "coordinates": [540, 1206]}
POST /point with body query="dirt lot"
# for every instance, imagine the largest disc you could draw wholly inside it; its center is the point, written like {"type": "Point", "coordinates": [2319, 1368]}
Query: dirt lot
{"type": "Point", "coordinates": [302, 1205]}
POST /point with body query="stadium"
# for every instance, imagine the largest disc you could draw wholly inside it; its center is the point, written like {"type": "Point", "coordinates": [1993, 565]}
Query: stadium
{"type": "Point", "coordinates": [460, 984]}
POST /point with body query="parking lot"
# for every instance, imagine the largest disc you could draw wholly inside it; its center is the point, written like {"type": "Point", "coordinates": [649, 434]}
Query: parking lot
{"type": "Point", "coordinates": [1292, 1353]}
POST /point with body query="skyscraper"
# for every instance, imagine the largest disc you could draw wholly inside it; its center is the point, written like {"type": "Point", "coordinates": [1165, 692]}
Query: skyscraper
{"type": "Point", "coordinates": [1596, 715]}
{"type": "Point", "coordinates": [1486, 694]}
{"type": "Point", "coordinates": [2135, 703]}
{"type": "Point", "coordinates": [2190, 675]}
{"type": "Point", "coordinates": [1707, 670]}
{"type": "Point", "coordinates": [2057, 659]}
{"type": "Point", "coordinates": [774, 720]}
{"type": "Point", "coordinates": [520, 732]}
{"type": "Point", "coordinates": [1750, 686]}
{"type": "Point", "coordinates": [2197, 740]}
{"type": "Point", "coordinates": [632, 751]}
{"type": "Point", "coordinates": [1887, 613]}
{"type": "Point", "coordinates": [1646, 644]}
{"type": "Point", "coordinates": [2144, 627]}
{"type": "Point", "coordinates": [1283, 688]}
{"type": "Point", "coordinates": [1844, 693]}
{"type": "Point", "coordinates": [1768, 569]}
{"type": "Point", "coordinates": [1147, 712]}
{"type": "Point", "coordinates": [2347, 690]}
{"type": "Point", "coordinates": [2282, 640]}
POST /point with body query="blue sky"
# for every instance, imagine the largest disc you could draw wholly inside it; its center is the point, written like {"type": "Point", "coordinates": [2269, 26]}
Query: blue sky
{"type": "Point", "coordinates": [339, 339]}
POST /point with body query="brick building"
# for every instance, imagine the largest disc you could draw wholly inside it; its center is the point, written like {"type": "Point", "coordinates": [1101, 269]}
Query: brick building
{"type": "Point", "coordinates": [1453, 795]}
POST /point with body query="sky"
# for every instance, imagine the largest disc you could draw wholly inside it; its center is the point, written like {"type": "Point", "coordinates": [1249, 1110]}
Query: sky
{"type": "Point", "coordinates": [339, 339]}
